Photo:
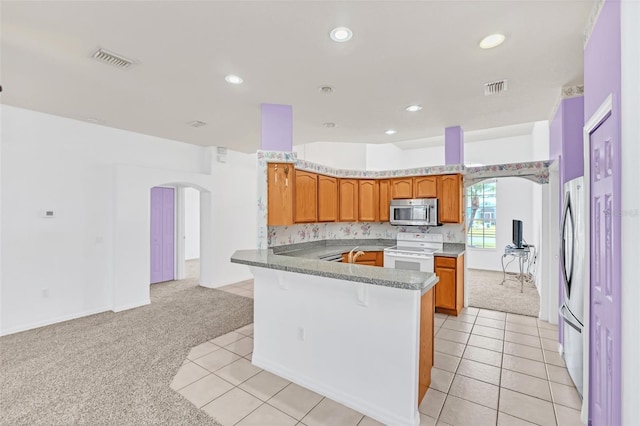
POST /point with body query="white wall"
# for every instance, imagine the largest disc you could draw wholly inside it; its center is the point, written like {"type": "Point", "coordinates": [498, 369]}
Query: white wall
{"type": "Point", "coordinates": [234, 214]}
{"type": "Point", "coordinates": [540, 152]}
{"type": "Point", "coordinates": [540, 141]}
{"type": "Point", "coordinates": [192, 223]}
{"type": "Point", "coordinates": [630, 16]}
{"type": "Point", "coordinates": [356, 343]}
{"type": "Point", "coordinates": [390, 157]}
{"type": "Point", "coordinates": [351, 156]}
{"type": "Point", "coordinates": [514, 149]}
{"type": "Point", "coordinates": [94, 255]}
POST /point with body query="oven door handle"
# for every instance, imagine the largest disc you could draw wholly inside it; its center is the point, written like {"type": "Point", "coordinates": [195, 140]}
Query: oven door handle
{"type": "Point", "coordinates": [410, 256]}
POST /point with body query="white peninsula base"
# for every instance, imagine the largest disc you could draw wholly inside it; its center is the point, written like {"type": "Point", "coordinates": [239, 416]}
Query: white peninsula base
{"type": "Point", "coordinates": [356, 343]}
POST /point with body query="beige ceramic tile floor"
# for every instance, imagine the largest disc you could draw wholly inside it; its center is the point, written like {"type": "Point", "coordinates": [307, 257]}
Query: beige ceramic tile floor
{"type": "Point", "coordinates": [491, 368]}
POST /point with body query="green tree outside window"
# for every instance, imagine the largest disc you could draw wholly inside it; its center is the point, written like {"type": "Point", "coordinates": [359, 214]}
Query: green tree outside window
{"type": "Point", "coordinates": [481, 215]}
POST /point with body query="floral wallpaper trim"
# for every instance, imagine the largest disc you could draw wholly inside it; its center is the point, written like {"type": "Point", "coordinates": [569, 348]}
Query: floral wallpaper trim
{"type": "Point", "coordinates": [591, 22]}
{"type": "Point", "coordinates": [537, 171]}
{"type": "Point", "coordinates": [572, 91]}
{"type": "Point", "coordinates": [276, 156]}
{"type": "Point", "coordinates": [419, 171]}
{"type": "Point", "coordinates": [282, 235]}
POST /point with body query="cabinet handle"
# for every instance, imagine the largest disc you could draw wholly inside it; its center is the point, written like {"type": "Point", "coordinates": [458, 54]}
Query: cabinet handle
{"type": "Point", "coordinates": [286, 178]}
{"type": "Point", "coordinates": [275, 173]}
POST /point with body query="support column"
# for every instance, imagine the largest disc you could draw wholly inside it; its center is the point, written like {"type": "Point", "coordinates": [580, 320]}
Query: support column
{"type": "Point", "coordinates": [453, 145]}
{"type": "Point", "coordinates": [207, 246]}
{"type": "Point", "coordinates": [276, 124]}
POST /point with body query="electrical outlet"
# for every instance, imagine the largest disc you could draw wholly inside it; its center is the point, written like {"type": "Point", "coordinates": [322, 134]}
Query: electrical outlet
{"type": "Point", "coordinates": [300, 333]}
{"type": "Point", "coordinates": [45, 293]}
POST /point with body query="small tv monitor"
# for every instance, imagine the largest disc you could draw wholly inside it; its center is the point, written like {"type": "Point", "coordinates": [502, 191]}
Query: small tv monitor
{"type": "Point", "coordinates": [517, 233]}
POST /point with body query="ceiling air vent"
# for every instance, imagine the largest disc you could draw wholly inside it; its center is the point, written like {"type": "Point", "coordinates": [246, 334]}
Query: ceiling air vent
{"type": "Point", "coordinates": [495, 87]}
{"type": "Point", "coordinates": [112, 59]}
{"type": "Point", "coordinates": [197, 123]}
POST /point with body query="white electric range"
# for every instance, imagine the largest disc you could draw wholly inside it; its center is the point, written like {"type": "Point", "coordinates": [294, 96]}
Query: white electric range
{"type": "Point", "coordinates": [414, 251]}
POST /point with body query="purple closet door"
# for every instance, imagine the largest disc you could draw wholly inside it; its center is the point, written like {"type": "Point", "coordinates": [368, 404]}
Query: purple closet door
{"type": "Point", "coordinates": [605, 322]}
{"type": "Point", "coordinates": [162, 234]}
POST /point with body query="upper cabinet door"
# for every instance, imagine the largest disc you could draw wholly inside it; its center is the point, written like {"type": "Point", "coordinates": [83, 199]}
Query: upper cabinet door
{"type": "Point", "coordinates": [327, 199]}
{"type": "Point", "coordinates": [384, 186]}
{"type": "Point", "coordinates": [348, 196]}
{"type": "Point", "coordinates": [280, 194]}
{"type": "Point", "coordinates": [368, 200]}
{"type": "Point", "coordinates": [306, 196]}
{"type": "Point", "coordinates": [425, 187]}
{"type": "Point", "coordinates": [450, 198]}
{"type": "Point", "coordinates": [402, 188]}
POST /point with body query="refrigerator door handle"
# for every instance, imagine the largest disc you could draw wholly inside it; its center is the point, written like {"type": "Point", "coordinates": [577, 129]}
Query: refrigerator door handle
{"type": "Point", "coordinates": [566, 315]}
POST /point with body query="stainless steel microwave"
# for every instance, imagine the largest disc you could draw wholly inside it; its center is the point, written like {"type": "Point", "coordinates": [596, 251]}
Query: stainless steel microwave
{"type": "Point", "coordinates": [417, 211]}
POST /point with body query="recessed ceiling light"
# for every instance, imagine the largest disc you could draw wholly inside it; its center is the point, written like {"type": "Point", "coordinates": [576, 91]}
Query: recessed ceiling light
{"type": "Point", "coordinates": [414, 108]}
{"type": "Point", "coordinates": [197, 123]}
{"type": "Point", "coordinates": [390, 132]}
{"type": "Point", "coordinates": [341, 34]}
{"type": "Point", "coordinates": [327, 90]}
{"type": "Point", "coordinates": [491, 41]}
{"type": "Point", "coordinates": [233, 79]}
{"type": "Point", "coordinates": [329, 125]}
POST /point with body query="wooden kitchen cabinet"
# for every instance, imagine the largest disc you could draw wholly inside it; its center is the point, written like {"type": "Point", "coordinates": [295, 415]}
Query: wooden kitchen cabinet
{"type": "Point", "coordinates": [348, 200]}
{"type": "Point", "coordinates": [402, 188]}
{"type": "Point", "coordinates": [450, 288]}
{"type": "Point", "coordinates": [279, 194]}
{"type": "Point", "coordinates": [368, 205]}
{"type": "Point", "coordinates": [306, 197]}
{"type": "Point", "coordinates": [384, 198]}
{"type": "Point", "coordinates": [370, 258]}
{"type": "Point", "coordinates": [327, 199]}
{"type": "Point", "coordinates": [450, 194]}
{"type": "Point", "coordinates": [425, 187]}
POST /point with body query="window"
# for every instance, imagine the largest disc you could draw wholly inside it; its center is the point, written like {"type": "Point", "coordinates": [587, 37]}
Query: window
{"type": "Point", "coordinates": [481, 215]}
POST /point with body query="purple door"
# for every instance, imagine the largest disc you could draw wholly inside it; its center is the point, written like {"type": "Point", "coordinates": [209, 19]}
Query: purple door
{"type": "Point", "coordinates": [605, 356]}
{"type": "Point", "coordinates": [162, 235]}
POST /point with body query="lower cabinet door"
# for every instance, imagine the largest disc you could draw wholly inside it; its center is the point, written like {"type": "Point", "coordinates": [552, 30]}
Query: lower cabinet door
{"type": "Point", "coordinates": [446, 288]}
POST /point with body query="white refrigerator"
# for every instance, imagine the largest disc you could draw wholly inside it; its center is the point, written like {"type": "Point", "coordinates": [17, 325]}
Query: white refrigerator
{"type": "Point", "coordinates": [572, 261]}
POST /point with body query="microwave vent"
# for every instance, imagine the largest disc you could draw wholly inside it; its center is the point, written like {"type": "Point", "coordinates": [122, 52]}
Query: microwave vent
{"type": "Point", "coordinates": [495, 87]}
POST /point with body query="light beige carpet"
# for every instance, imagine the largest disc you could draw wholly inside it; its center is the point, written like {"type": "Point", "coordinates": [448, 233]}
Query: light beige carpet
{"type": "Point", "coordinates": [115, 368]}
{"type": "Point", "coordinates": [486, 292]}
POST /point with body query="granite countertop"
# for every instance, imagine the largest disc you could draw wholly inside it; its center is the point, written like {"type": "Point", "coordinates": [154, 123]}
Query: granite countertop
{"type": "Point", "coordinates": [324, 248]}
{"type": "Point", "coordinates": [397, 278]}
{"type": "Point", "coordinates": [452, 250]}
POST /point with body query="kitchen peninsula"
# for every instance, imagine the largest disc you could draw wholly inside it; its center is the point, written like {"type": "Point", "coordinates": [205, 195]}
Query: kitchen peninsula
{"type": "Point", "coordinates": [360, 335]}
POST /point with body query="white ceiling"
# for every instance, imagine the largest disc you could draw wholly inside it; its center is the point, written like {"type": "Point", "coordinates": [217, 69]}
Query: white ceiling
{"type": "Point", "coordinates": [402, 52]}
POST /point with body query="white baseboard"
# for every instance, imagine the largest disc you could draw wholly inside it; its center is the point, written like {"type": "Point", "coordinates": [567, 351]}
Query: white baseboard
{"type": "Point", "coordinates": [131, 306]}
{"type": "Point", "coordinates": [329, 391]}
{"type": "Point", "coordinates": [50, 321]}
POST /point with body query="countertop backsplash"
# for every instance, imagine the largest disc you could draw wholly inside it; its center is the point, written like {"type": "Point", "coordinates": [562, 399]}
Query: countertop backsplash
{"type": "Point", "coordinates": [281, 235]}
